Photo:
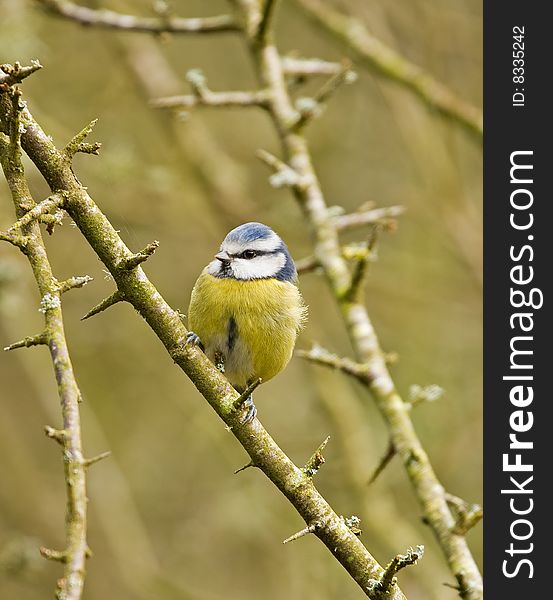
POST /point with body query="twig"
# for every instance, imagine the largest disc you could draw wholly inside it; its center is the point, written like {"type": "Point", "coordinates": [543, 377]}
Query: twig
{"type": "Point", "coordinates": [73, 283]}
{"type": "Point", "coordinates": [70, 587]}
{"type": "Point", "coordinates": [168, 326]}
{"type": "Point", "coordinates": [27, 342]}
{"type": "Point", "coordinates": [215, 99]}
{"type": "Point", "coordinates": [11, 74]}
{"type": "Point", "coordinates": [78, 144]}
{"type": "Point", "coordinates": [131, 262]}
{"type": "Point", "coordinates": [94, 459]}
{"type": "Point", "coordinates": [304, 67]}
{"type": "Point", "coordinates": [369, 217]}
{"type": "Point", "coordinates": [389, 63]}
{"type": "Point", "coordinates": [400, 561]}
{"type": "Point", "coordinates": [321, 356]}
{"type": "Point", "coordinates": [307, 265]}
{"type": "Point", "coordinates": [114, 20]}
{"type": "Point", "coordinates": [38, 211]}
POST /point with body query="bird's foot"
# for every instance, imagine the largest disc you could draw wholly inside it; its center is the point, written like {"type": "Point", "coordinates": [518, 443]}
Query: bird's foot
{"type": "Point", "coordinates": [193, 339]}
{"type": "Point", "coordinates": [250, 411]}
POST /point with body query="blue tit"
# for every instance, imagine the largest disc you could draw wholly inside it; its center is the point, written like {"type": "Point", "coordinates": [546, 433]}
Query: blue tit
{"type": "Point", "coordinates": [246, 309]}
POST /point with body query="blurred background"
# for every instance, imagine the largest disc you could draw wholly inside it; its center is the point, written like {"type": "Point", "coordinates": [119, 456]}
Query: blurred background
{"type": "Point", "coordinates": [167, 517]}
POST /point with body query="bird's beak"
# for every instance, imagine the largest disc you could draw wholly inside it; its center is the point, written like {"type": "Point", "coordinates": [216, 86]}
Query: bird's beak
{"type": "Point", "coordinates": [223, 256]}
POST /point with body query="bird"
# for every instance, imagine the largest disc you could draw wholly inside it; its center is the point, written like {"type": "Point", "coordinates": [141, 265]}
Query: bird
{"type": "Point", "coordinates": [246, 309]}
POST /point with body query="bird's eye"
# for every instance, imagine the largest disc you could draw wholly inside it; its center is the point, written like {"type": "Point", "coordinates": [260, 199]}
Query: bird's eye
{"type": "Point", "coordinates": [249, 254]}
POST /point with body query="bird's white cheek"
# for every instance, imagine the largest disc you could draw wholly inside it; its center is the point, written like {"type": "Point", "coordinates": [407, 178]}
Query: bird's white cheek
{"type": "Point", "coordinates": [259, 267]}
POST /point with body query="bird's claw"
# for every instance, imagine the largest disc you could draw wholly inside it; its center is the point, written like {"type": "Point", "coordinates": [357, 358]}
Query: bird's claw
{"type": "Point", "coordinates": [193, 339]}
{"type": "Point", "coordinates": [250, 412]}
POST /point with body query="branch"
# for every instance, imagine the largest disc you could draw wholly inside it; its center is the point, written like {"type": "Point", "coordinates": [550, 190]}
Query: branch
{"type": "Point", "coordinates": [384, 216]}
{"type": "Point", "coordinates": [167, 324]}
{"type": "Point", "coordinates": [70, 587]}
{"type": "Point", "coordinates": [321, 356]}
{"type": "Point", "coordinates": [387, 62]}
{"type": "Point", "coordinates": [114, 20]}
{"type": "Point", "coordinates": [203, 96]}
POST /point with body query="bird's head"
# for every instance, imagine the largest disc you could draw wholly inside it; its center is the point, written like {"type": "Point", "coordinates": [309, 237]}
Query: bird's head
{"type": "Point", "coordinates": [253, 251]}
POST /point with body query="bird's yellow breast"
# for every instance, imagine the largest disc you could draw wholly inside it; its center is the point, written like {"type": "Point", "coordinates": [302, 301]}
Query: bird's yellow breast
{"type": "Point", "coordinates": [252, 325]}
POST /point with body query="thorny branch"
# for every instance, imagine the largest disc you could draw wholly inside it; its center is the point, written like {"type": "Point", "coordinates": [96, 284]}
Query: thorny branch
{"type": "Point", "coordinates": [135, 287]}
{"type": "Point", "coordinates": [70, 586]}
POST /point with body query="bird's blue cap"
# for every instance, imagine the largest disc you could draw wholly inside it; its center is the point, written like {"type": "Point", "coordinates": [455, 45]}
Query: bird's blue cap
{"type": "Point", "coordinates": [249, 232]}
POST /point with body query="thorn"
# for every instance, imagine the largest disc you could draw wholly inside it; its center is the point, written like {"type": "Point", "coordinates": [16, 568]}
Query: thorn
{"type": "Point", "coordinates": [237, 404]}
{"type": "Point", "coordinates": [306, 531]}
{"type": "Point", "coordinates": [91, 461]}
{"type": "Point", "coordinates": [33, 340]}
{"type": "Point", "coordinates": [88, 552]}
{"type": "Point", "coordinates": [53, 554]}
{"type": "Point", "coordinates": [135, 259]}
{"type": "Point", "coordinates": [250, 464]}
{"type": "Point", "coordinates": [384, 461]}
{"type": "Point", "coordinates": [316, 461]}
{"type": "Point", "coordinates": [74, 282]}
{"type": "Point", "coordinates": [58, 435]}
{"type": "Point", "coordinates": [116, 297]}
{"type": "Point", "coordinates": [400, 561]}
{"type": "Point", "coordinates": [77, 143]}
